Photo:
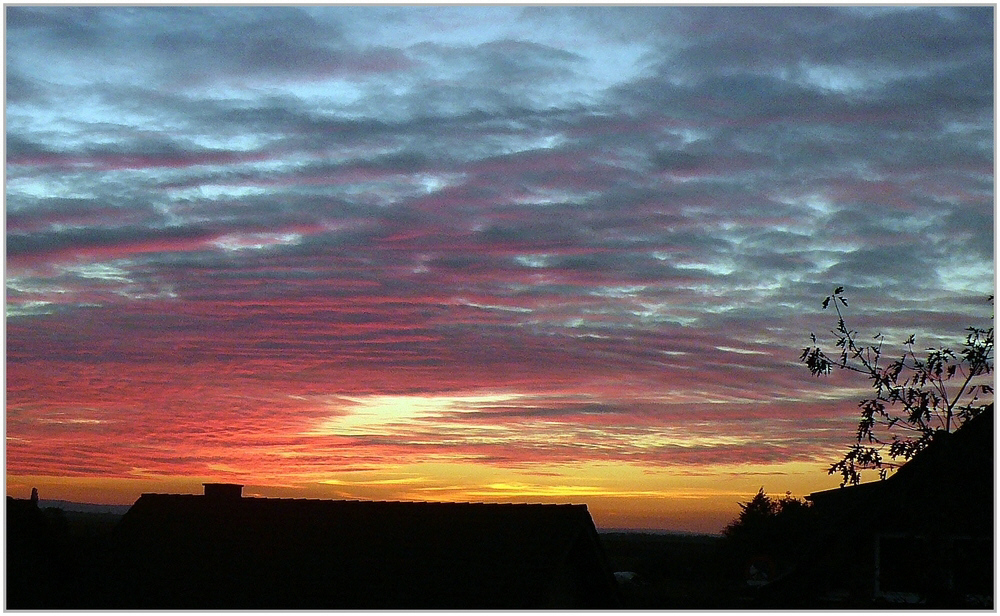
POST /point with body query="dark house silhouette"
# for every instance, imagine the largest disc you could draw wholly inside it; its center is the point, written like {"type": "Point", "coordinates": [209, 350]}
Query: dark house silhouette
{"type": "Point", "coordinates": [922, 536]}
{"type": "Point", "coordinates": [38, 568]}
{"type": "Point", "coordinates": [27, 546]}
{"type": "Point", "coordinates": [220, 550]}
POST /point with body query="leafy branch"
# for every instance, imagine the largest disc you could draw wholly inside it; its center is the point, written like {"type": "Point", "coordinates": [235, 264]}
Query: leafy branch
{"type": "Point", "coordinates": [913, 399]}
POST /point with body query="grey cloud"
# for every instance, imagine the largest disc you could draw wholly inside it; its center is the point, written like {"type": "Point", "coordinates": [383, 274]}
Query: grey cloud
{"type": "Point", "coordinates": [534, 234]}
{"type": "Point", "coordinates": [24, 244]}
{"type": "Point", "coordinates": [258, 40]}
{"type": "Point", "coordinates": [185, 45]}
{"type": "Point", "coordinates": [403, 161]}
{"type": "Point", "coordinates": [928, 34]}
{"type": "Point", "coordinates": [765, 38]}
{"type": "Point", "coordinates": [748, 38]}
{"type": "Point", "coordinates": [493, 77]}
{"type": "Point", "coordinates": [751, 54]}
{"type": "Point", "coordinates": [762, 264]}
{"type": "Point", "coordinates": [891, 268]}
{"type": "Point", "coordinates": [896, 250]}
{"type": "Point", "coordinates": [948, 89]}
{"type": "Point", "coordinates": [692, 159]}
{"type": "Point", "coordinates": [334, 242]}
{"type": "Point", "coordinates": [673, 160]}
{"type": "Point", "coordinates": [23, 89]}
{"type": "Point", "coordinates": [874, 223]}
{"type": "Point", "coordinates": [970, 231]}
{"type": "Point", "coordinates": [523, 61]}
{"type": "Point", "coordinates": [30, 212]}
{"type": "Point", "coordinates": [19, 146]}
{"type": "Point", "coordinates": [71, 27]}
{"type": "Point", "coordinates": [178, 27]}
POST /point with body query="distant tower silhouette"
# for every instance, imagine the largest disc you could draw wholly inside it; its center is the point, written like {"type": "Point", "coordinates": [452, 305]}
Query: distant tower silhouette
{"type": "Point", "coordinates": [34, 496]}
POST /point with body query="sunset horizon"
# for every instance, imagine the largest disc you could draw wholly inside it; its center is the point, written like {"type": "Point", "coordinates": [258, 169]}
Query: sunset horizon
{"type": "Point", "coordinates": [526, 254]}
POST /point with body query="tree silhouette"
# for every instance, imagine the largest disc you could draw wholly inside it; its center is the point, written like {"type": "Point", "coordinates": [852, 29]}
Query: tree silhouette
{"type": "Point", "coordinates": [914, 400]}
{"type": "Point", "coordinates": [769, 532]}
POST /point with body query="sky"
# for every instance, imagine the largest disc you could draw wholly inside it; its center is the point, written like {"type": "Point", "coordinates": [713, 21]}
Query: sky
{"type": "Point", "coordinates": [478, 253]}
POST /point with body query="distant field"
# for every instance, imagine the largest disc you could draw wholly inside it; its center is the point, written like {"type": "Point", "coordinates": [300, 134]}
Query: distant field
{"type": "Point", "coordinates": [83, 507]}
{"type": "Point", "coordinates": [675, 570]}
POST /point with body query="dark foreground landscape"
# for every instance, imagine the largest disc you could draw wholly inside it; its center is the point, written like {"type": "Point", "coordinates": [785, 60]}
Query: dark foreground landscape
{"type": "Point", "coordinates": [891, 543]}
{"type": "Point", "coordinates": [62, 559]}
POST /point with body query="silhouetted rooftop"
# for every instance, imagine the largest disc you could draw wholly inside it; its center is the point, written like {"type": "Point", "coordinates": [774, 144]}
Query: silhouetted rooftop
{"type": "Point", "coordinates": [923, 535]}
{"type": "Point", "coordinates": [267, 552]}
{"type": "Point", "coordinates": [954, 473]}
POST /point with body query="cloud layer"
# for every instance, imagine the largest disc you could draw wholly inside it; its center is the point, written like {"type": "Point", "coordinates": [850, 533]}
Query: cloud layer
{"type": "Point", "coordinates": [548, 236]}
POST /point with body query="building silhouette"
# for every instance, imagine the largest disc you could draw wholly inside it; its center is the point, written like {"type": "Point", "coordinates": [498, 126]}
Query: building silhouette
{"type": "Point", "coordinates": [923, 536]}
{"type": "Point", "coordinates": [221, 550]}
{"type": "Point", "coordinates": [39, 569]}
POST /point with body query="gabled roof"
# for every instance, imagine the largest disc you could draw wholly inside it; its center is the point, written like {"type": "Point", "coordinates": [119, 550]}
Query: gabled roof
{"type": "Point", "coordinates": [954, 475]}
{"type": "Point", "coordinates": [325, 553]}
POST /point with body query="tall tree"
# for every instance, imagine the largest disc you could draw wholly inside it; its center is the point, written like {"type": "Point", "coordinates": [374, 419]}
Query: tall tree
{"type": "Point", "coordinates": [914, 399]}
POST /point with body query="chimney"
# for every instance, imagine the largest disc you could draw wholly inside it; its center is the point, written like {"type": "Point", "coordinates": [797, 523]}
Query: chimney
{"type": "Point", "coordinates": [223, 491]}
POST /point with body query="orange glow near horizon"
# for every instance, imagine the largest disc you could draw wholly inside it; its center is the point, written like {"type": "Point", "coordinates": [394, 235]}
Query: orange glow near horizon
{"type": "Point", "coordinates": [691, 505]}
{"type": "Point", "coordinates": [634, 451]}
{"type": "Point", "coordinates": [397, 447]}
